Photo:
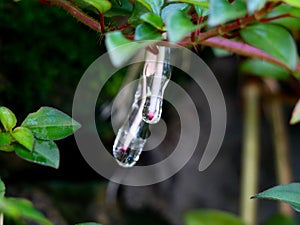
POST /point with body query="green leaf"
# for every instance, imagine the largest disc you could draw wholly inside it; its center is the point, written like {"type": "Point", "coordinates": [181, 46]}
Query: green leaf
{"type": "Point", "coordinates": [103, 5]}
{"type": "Point", "coordinates": [201, 11]}
{"type": "Point", "coordinates": [7, 118]}
{"type": "Point", "coordinates": [2, 188]}
{"type": "Point", "coordinates": [120, 49]}
{"type": "Point", "coordinates": [291, 23]}
{"type": "Point", "coordinates": [203, 3]}
{"type": "Point", "coordinates": [50, 124]}
{"type": "Point", "coordinates": [288, 193]}
{"type": "Point", "coordinates": [221, 11]}
{"type": "Point", "coordinates": [138, 10]}
{"type": "Point", "coordinates": [211, 217]}
{"type": "Point", "coordinates": [24, 137]}
{"type": "Point", "coordinates": [219, 52]}
{"type": "Point", "coordinates": [280, 220]}
{"type": "Point", "coordinates": [295, 3]}
{"type": "Point", "coordinates": [18, 208]}
{"type": "Point", "coordinates": [169, 9]}
{"type": "Point", "coordinates": [270, 38]}
{"type": "Point", "coordinates": [178, 26]}
{"type": "Point", "coordinates": [146, 32]}
{"type": "Point", "coordinates": [88, 224]}
{"type": "Point", "coordinates": [296, 114]}
{"type": "Point", "coordinates": [153, 19]}
{"type": "Point", "coordinates": [119, 8]}
{"type": "Point", "coordinates": [44, 152]}
{"type": "Point", "coordinates": [253, 5]}
{"type": "Point", "coordinates": [7, 148]}
{"type": "Point", "coordinates": [153, 5]}
{"type": "Point", "coordinates": [5, 141]}
{"type": "Point", "coordinates": [264, 69]}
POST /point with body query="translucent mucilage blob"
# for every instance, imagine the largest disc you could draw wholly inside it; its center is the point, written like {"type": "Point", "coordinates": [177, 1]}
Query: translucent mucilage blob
{"type": "Point", "coordinates": [146, 108]}
{"type": "Point", "coordinates": [156, 73]}
{"type": "Point", "coordinates": [131, 137]}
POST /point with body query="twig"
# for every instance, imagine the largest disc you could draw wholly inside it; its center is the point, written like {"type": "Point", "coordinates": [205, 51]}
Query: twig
{"type": "Point", "coordinates": [280, 139]}
{"type": "Point", "coordinates": [245, 50]}
{"type": "Point", "coordinates": [77, 13]}
{"type": "Point", "coordinates": [250, 156]}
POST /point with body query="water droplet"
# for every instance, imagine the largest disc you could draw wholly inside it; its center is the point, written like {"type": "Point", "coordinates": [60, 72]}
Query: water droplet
{"type": "Point", "coordinates": [156, 73]}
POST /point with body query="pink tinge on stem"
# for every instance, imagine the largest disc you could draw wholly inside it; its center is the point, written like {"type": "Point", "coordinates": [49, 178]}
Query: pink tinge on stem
{"type": "Point", "coordinates": [124, 149]}
{"type": "Point", "coordinates": [150, 115]}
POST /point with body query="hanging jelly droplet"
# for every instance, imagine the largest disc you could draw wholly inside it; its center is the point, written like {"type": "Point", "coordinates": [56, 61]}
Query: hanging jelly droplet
{"type": "Point", "coordinates": [128, 146]}
{"type": "Point", "coordinates": [156, 73]}
{"type": "Point", "coordinates": [132, 136]}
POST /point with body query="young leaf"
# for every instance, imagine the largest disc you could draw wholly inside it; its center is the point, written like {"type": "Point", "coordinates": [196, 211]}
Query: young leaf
{"type": "Point", "coordinates": [7, 118]}
{"type": "Point", "coordinates": [146, 32]}
{"type": "Point", "coordinates": [270, 38]}
{"type": "Point", "coordinates": [289, 193]}
{"type": "Point", "coordinates": [44, 152]}
{"type": "Point", "coordinates": [5, 141]}
{"type": "Point", "coordinates": [138, 10]}
{"type": "Point", "coordinates": [211, 217]}
{"type": "Point", "coordinates": [201, 11]}
{"type": "Point", "coordinates": [296, 114]}
{"type": "Point", "coordinates": [178, 26]}
{"type": "Point", "coordinates": [119, 8]}
{"type": "Point", "coordinates": [21, 208]}
{"type": "Point", "coordinates": [295, 3]}
{"type": "Point", "coordinates": [264, 69]}
{"type": "Point", "coordinates": [2, 188]}
{"type": "Point", "coordinates": [153, 19]}
{"type": "Point", "coordinates": [221, 11]}
{"type": "Point", "coordinates": [253, 5]}
{"type": "Point", "coordinates": [24, 137]}
{"type": "Point", "coordinates": [50, 124]}
{"type": "Point", "coordinates": [153, 5]}
{"type": "Point", "coordinates": [169, 9]}
{"type": "Point", "coordinates": [292, 22]}
{"type": "Point", "coordinates": [103, 5]}
{"type": "Point", "coordinates": [203, 3]}
{"type": "Point", "coordinates": [120, 49]}
{"type": "Point", "coordinates": [280, 220]}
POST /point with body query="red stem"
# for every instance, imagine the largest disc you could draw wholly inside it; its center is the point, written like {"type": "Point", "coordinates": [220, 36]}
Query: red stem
{"type": "Point", "coordinates": [207, 38]}
{"type": "Point", "coordinates": [245, 50]}
{"type": "Point", "coordinates": [275, 17]}
{"type": "Point", "coordinates": [77, 13]}
{"type": "Point", "coordinates": [102, 22]}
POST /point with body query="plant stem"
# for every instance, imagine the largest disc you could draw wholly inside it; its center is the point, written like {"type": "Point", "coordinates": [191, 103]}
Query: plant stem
{"type": "Point", "coordinates": [207, 38]}
{"type": "Point", "coordinates": [282, 155]}
{"type": "Point", "coordinates": [77, 13]}
{"type": "Point", "coordinates": [245, 50]}
{"type": "Point", "coordinates": [250, 155]}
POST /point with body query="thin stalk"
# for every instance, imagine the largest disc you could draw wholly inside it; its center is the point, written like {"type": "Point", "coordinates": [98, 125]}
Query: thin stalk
{"type": "Point", "coordinates": [1, 219]}
{"type": "Point", "coordinates": [78, 14]}
{"type": "Point", "coordinates": [280, 139]}
{"type": "Point", "coordinates": [250, 155]}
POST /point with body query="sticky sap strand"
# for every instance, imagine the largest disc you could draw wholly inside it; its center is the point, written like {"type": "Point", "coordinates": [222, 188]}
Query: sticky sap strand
{"type": "Point", "coordinates": [131, 137]}
{"type": "Point", "coordinates": [156, 73]}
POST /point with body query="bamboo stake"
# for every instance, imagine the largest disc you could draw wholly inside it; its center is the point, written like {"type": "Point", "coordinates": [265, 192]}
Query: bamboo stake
{"type": "Point", "coordinates": [250, 155]}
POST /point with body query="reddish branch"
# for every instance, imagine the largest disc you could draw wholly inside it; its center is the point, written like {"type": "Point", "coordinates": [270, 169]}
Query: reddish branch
{"type": "Point", "coordinates": [244, 49]}
{"type": "Point", "coordinates": [77, 13]}
{"type": "Point", "coordinates": [207, 38]}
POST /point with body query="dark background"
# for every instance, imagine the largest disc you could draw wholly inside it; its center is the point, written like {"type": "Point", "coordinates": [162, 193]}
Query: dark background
{"type": "Point", "coordinates": [43, 54]}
